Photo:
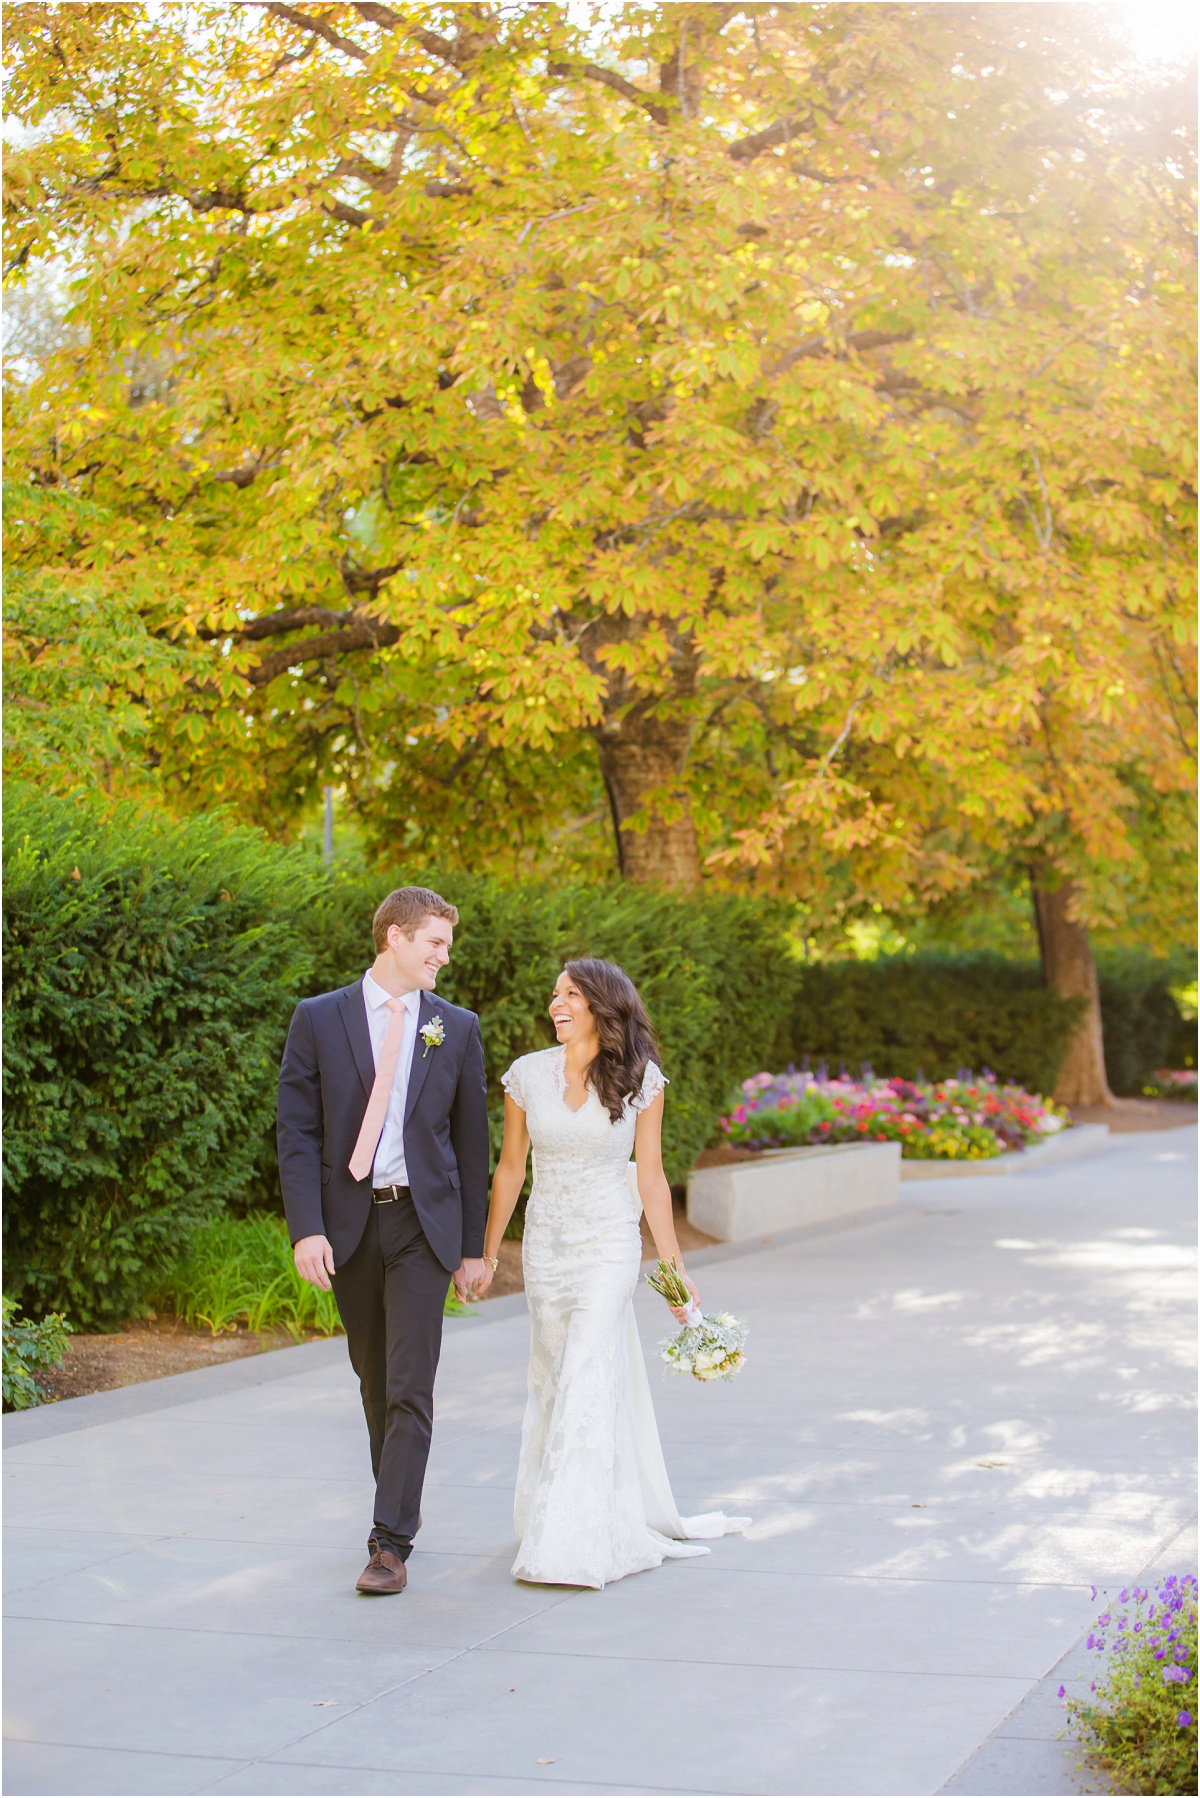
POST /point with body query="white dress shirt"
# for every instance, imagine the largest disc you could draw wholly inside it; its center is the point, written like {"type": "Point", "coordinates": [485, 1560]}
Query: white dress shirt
{"type": "Point", "coordinates": [389, 1169]}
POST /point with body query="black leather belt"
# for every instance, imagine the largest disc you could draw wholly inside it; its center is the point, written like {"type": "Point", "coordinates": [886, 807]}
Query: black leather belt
{"type": "Point", "coordinates": [387, 1195]}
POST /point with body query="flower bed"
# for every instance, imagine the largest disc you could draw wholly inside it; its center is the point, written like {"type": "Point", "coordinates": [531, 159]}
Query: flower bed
{"type": "Point", "coordinates": [966, 1119]}
{"type": "Point", "coordinates": [1141, 1719]}
{"type": "Point", "coordinates": [1174, 1083]}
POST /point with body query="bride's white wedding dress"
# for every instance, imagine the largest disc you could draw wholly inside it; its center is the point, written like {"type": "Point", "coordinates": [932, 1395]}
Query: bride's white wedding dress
{"type": "Point", "coordinates": [593, 1499]}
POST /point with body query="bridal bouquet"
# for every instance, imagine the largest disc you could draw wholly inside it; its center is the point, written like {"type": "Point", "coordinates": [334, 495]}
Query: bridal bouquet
{"type": "Point", "coordinates": [709, 1348]}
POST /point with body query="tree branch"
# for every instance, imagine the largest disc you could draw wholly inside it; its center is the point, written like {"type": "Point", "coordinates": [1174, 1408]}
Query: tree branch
{"type": "Point", "coordinates": [368, 580]}
{"type": "Point", "coordinates": [856, 340]}
{"type": "Point", "coordinates": [591, 71]}
{"type": "Point", "coordinates": [273, 624]}
{"type": "Point", "coordinates": [379, 15]}
{"type": "Point", "coordinates": [747, 148]}
{"type": "Point", "coordinates": [369, 633]}
{"type": "Point", "coordinates": [307, 23]}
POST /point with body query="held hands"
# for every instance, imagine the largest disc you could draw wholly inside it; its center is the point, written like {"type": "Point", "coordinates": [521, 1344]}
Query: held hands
{"type": "Point", "coordinates": [314, 1261]}
{"type": "Point", "coordinates": [472, 1278]}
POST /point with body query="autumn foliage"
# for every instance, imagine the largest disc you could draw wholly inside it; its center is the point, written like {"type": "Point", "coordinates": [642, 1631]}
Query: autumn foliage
{"type": "Point", "coordinates": [756, 437]}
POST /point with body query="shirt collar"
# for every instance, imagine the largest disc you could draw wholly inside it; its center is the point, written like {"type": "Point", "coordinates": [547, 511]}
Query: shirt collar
{"type": "Point", "coordinates": [375, 995]}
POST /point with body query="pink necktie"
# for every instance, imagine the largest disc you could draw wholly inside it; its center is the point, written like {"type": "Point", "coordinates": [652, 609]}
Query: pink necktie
{"type": "Point", "coordinates": [363, 1157]}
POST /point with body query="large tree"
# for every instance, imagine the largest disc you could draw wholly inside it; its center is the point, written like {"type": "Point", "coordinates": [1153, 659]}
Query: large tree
{"type": "Point", "coordinates": [760, 422]}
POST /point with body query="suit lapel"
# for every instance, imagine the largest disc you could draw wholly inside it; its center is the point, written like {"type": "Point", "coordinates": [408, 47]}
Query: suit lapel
{"type": "Point", "coordinates": [353, 1007]}
{"type": "Point", "coordinates": [421, 1060]}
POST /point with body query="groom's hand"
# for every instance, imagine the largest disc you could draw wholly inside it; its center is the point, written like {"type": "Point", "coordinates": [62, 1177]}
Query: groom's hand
{"type": "Point", "coordinates": [314, 1260]}
{"type": "Point", "coordinates": [473, 1271]}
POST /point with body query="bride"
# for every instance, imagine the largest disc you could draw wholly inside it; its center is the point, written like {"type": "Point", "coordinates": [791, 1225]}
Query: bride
{"type": "Point", "coordinates": [593, 1499]}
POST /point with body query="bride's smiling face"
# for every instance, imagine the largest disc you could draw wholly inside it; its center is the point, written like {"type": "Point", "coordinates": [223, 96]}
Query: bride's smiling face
{"type": "Point", "coordinates": [570, 1012]}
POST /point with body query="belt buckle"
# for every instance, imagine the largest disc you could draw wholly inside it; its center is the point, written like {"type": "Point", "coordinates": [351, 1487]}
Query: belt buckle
{"type": "Point", "coordinates": [394, 1190]}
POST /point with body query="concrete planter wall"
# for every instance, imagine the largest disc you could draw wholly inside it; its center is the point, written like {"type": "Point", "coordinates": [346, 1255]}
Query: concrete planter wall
{"type": "Point", "coordinates": [787, 1187]}
{"type": "Point", "coordinates": [1080, 1139]}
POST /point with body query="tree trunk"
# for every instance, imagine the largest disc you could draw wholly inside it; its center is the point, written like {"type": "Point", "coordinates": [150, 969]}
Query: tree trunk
{"type": "Point", "coordinates": [644, 740]}
{"type": "Point", "coordinates": [638, 754]}
{"type": "Point", "coordinates": [1069, 969]}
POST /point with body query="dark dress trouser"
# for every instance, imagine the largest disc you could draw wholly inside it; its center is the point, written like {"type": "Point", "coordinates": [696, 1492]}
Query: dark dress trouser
{"type": "Point", "coordinates": [390, 1295]}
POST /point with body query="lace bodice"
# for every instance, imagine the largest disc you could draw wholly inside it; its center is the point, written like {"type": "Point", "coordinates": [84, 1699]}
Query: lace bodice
{"type": "Point", "coordinates": [577, 1155]}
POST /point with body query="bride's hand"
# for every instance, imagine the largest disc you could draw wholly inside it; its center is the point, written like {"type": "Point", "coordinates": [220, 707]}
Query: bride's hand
{"type": "Point", "coordinates": [472, 1279]}
{"type": "Point", "coordinates": [680, 1311]}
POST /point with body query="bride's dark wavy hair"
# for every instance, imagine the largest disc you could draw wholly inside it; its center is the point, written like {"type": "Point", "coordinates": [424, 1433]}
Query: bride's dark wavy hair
{"type": "Point", "coordinates": [627, 1040]}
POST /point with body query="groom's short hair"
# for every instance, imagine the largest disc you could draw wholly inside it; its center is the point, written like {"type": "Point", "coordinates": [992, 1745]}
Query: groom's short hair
{"type": "Point", "coordinates": [408, 907]}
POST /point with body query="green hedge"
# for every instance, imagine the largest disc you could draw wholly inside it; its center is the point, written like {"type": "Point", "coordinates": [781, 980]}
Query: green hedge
{"type": "Point", "coordinates": [150, 970]}
{"type": "Point", "coordinates": [931, 1015]}
{"type": "Point", "coordinates": [148, 1000]}
{"type": "Point", "coordinates": [715, 972]}
{"type": "Point", "coordinates": [152, 967]}
{"type": "Point", "coordinates": [1143, 1026]}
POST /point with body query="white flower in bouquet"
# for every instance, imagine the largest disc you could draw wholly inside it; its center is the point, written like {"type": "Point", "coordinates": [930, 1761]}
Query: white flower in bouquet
{"type": "Point", "coordinates": [709, 1348]}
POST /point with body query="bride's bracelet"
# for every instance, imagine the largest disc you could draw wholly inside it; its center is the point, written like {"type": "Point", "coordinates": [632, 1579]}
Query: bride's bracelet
{"type": "Point", "coordinates": [493, 1261]}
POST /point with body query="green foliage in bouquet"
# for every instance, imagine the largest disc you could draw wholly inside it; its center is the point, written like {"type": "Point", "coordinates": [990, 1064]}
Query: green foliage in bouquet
{"type": "Point", "coordinates": [150, 969]}
{"type": "Point", "coordinates": [29, 1345]}
{"type": "Point", "coordinates": [1141, 1718]}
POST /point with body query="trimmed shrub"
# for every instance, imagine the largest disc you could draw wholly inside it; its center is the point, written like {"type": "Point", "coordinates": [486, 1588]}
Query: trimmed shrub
{"type": "Point", "coordinates": [927, 1016]}
{"type": "Point", "coordinates": [1144, 1028]}
{"type": "Point", "coordinates": [151, 967]}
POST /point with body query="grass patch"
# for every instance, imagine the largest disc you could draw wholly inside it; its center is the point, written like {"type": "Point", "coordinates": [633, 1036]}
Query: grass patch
{"type": "Point", "coordinates": [238, 1271]}
{"type": "Point", "coordinates": [1140, 1721]}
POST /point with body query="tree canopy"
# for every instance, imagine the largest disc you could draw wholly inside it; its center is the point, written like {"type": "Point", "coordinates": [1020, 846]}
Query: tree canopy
{"type": "Point", "coordinates": [758, 437]}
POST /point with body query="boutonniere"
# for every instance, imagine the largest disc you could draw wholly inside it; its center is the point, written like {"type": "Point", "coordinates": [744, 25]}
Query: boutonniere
{"type": "Point", "coordinates": [433, 1035]}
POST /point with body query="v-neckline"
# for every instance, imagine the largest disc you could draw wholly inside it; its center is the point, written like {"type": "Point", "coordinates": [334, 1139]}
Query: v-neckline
{"type": "Point", "coordinates": [562, 1085]}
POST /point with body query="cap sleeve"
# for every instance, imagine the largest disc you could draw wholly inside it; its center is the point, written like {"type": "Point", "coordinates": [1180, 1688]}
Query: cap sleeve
{"type": "Point", "coordinates": [514, 1085]}
{"type": "Point", "coordinates": [654, 1081]}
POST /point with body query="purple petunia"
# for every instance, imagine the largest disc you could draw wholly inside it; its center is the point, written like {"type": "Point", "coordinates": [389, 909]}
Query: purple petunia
{"type": "Point", "coordinates": [1184, 1719]}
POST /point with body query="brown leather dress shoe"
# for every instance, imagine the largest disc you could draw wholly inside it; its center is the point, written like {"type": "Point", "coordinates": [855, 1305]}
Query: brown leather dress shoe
{"type": "Point", "coordinates": [384, 1572]}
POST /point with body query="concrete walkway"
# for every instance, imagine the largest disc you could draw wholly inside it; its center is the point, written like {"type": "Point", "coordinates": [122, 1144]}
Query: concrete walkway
{"type": "Point", "coordinates": [956, 1418]}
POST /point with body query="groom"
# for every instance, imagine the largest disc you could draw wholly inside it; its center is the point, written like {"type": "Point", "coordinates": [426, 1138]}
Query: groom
{"type": "Point", "coordinates": [383, 1161]}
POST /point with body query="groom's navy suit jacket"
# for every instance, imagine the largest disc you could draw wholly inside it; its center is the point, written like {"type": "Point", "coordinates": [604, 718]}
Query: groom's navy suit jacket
{"type": "Point", "coordinates": [324, 1083]}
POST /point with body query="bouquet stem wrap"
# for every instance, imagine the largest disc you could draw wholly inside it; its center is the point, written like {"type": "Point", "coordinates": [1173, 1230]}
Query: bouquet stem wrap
{"type": "Point", "coordinates": [709, 1348]}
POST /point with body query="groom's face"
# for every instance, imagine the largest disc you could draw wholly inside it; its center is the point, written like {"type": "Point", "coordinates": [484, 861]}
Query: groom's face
{"type": "Point", "coordinates": [419, 959]}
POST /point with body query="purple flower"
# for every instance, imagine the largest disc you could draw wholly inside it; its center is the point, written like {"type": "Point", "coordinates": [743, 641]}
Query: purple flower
{"type": "Point", "coordinates": [1062, 1691]}
{"type": "Point", "coordinates": [1175, 1676]}
{"type": "Point", "coordinates": [1184, 1719]}
{"type": "Point", "coordinates": [1091, 1641]}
